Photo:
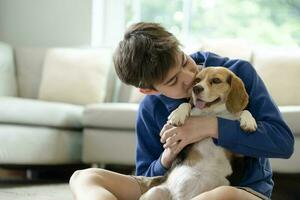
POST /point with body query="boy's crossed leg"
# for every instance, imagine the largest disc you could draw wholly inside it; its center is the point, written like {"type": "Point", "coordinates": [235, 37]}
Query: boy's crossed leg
{"type": "Point", "coordinates": [94, 184]}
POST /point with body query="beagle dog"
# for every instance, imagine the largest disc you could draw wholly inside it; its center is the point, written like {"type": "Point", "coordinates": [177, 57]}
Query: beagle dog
{"type": "Point", "coordinates": [217, 92]}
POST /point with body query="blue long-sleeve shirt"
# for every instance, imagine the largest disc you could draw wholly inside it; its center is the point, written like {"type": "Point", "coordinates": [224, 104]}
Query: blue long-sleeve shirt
{"type": "Point", "coordinates": [272, 139]}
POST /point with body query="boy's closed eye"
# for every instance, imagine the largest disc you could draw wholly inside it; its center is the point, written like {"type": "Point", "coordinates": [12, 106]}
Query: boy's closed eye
{"type": "Point", "coordinates": [184, 62]}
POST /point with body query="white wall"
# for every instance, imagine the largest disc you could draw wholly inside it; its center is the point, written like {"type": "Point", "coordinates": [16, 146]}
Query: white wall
{"type": "Point", "coordinates": [46, 22]}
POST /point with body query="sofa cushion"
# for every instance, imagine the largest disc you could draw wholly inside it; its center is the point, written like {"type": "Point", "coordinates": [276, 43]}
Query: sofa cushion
{"type": "Point", "coordinates": [40, 113]}
{"type": "Point", "coordinates": [108, 146]}
{"type": "Point", "coordinates": [29, 65]}
{"type": "Point", "coordinates": [77, 76]}
{"type": "Point", "coordinates": [39, 145]}
{"type": "Point", "coordinates": [280, 69]}
{"type": "Point", "coordinates": [292, 164]}
{"type": "Point", "coordinates": [291, 115]}
{"type": "Point", "coordinates": [231, 48]}
{"type": "Point", "coordinates": [8, 86]}
{"type": "Point", "coordinates": [110, 115]}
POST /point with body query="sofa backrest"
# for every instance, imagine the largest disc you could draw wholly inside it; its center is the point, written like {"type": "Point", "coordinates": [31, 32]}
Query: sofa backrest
{"type": "Point", "coordinates": [280, 69]}
{"type": "Point", "coordinates": [231, 48]}
{"type": "Point", "coordinates": [8, 85]}
{"type": "Point", "coordinates": [29, 68]}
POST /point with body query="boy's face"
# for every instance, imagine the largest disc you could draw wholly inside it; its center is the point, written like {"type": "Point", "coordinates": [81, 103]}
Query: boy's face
{"type": "Point", "coordinates": [180, 79]}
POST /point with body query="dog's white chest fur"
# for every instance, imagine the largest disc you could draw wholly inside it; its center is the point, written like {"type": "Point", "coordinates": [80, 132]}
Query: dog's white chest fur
{"type": "Point", "coordinates": [210, 171]}
{"type": "Point", "coordinates": [186, 182]}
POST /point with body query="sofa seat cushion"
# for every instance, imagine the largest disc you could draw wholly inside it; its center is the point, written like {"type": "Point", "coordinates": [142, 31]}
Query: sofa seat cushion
{"type": "Point", "coordinates": [98, 145]}
{"type": "Point", "coordinates": [292, 164]}
{"type": "Point", "coordinates": [291, 115]}
{"type": "Point", "coordinates": [39, 145]}
{"type": "Point", "coordinates": [39, 113]}
{"type": "Point", "coordinates": [110, 115]}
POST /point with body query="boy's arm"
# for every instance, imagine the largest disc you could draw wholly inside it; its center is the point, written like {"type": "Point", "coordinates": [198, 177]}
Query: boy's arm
{"type": "Point", "coordinates": [149, 149]}
{"type": "Point", "coordinates": [273, 138]}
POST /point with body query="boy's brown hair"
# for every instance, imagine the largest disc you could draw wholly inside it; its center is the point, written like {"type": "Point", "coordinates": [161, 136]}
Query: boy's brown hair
{"type": "Point", "coordinates": [145, 55]}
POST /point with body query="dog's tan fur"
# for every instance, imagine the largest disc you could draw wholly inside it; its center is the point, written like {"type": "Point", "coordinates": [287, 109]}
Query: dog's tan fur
{"type": "Point", "coordinates": [231, 89]}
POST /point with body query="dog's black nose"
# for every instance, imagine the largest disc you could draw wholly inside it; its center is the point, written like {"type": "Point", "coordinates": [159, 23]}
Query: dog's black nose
{"type": "Point", "coordinates": [197, 89]}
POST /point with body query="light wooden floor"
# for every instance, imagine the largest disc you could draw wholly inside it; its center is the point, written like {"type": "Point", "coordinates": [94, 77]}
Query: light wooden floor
{"type": "Point", "coordinates": [36, 192]}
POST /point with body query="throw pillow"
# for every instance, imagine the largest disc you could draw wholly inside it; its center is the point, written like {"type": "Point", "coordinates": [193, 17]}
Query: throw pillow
{"type": "Point", "coordinates": [76, 76]}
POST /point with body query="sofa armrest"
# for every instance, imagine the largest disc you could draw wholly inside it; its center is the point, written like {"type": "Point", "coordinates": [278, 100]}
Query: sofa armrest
{"type": "Point", "coordinates": [291, 115]}
{"type": "Point", "coordinates": [110, 115]}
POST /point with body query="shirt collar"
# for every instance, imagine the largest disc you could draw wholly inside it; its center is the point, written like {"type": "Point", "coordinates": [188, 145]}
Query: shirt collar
{"type": "Point", "coordinates": [171, 103]}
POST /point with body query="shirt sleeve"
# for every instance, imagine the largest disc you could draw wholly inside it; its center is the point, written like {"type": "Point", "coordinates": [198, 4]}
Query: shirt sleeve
{"type": "Point", "coordinates": [149, 148]}
{"type": "Point", "coordinates": [273, 138]}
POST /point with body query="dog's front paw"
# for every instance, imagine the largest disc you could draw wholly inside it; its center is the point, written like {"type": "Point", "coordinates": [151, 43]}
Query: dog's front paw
{"type": "Point", "coordinates": [178, 116]}
{"type": "Point", "coordinates": [247, 122]}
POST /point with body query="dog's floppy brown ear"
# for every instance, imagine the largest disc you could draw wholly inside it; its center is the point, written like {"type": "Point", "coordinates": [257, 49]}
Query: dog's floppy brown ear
{"type": "Point", "coordinates": [237, 99]}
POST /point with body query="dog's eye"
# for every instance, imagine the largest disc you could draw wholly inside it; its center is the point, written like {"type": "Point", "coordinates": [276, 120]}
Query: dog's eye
{"type": "Point", "coordinates": [216, 80]}
{"type": "Point", "coordinates": [197, 80]}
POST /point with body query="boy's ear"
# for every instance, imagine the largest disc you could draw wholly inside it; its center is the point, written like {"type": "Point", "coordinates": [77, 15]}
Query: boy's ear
{"type": "Point", "coordinates": [148, 91]}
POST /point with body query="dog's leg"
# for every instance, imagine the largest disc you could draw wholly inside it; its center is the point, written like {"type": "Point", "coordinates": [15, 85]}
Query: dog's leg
{"type": "Point", "coordinates": [178, 116]}
{"type": "Point", "coordinates": [157, 193]}
{"type": "Point", "coordinates": [247, 122]}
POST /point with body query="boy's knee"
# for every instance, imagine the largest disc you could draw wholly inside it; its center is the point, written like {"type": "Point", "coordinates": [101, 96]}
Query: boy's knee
{"type": "Point", "coordinates": [86, 177]}
{"type": "Point", "coordinates": [157, 193]}
{"type": "Point", "coordinates": [75, 177]}
{"type": "Point", "coordinates": [226, 191]}
{"type": "Point", "coordinates": [220, 193]}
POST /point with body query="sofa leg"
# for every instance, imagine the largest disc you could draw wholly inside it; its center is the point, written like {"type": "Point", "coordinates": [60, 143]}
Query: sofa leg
{"type": "Point", "coordinates": [97, 165]}
{"type": "Point", "coordinates": [29, 174]}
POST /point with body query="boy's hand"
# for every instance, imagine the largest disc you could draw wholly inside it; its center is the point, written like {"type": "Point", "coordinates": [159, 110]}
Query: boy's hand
{"type": "Point", "coordinates": [167, 158]}
{"type": "Point", "coordinates": [168, 155]}
{"type": "Point", "coordinates": [193, 130]}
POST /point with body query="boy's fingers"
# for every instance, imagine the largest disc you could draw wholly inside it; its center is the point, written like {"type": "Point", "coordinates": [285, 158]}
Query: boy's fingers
{"type": "Point", "coordinates": [180, 146]}
{"type": "Point", "coordinates": [166, 127]}
{"type": "Point", "coordinates": [168, 133]}
{"type": "Point", "coordinates": [172, 146]}
{"type": "Point", "coordinates": [171, 140]}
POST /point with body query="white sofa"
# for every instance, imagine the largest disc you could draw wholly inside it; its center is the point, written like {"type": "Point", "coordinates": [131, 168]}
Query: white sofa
{"type": "Point", "coordinates": [35, 132]}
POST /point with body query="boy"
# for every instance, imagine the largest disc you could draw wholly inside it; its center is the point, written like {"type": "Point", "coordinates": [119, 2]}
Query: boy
{"type": "Point", "coordinates": [149, 58]}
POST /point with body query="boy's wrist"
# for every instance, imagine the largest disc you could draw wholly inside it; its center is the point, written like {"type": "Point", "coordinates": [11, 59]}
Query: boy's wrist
{"type": "Point", "coordinates": [164, 164]}
{"type": "Point", "coordinates": [213, 129]}
{"type": "Point", "coordinates": [167, 158]}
